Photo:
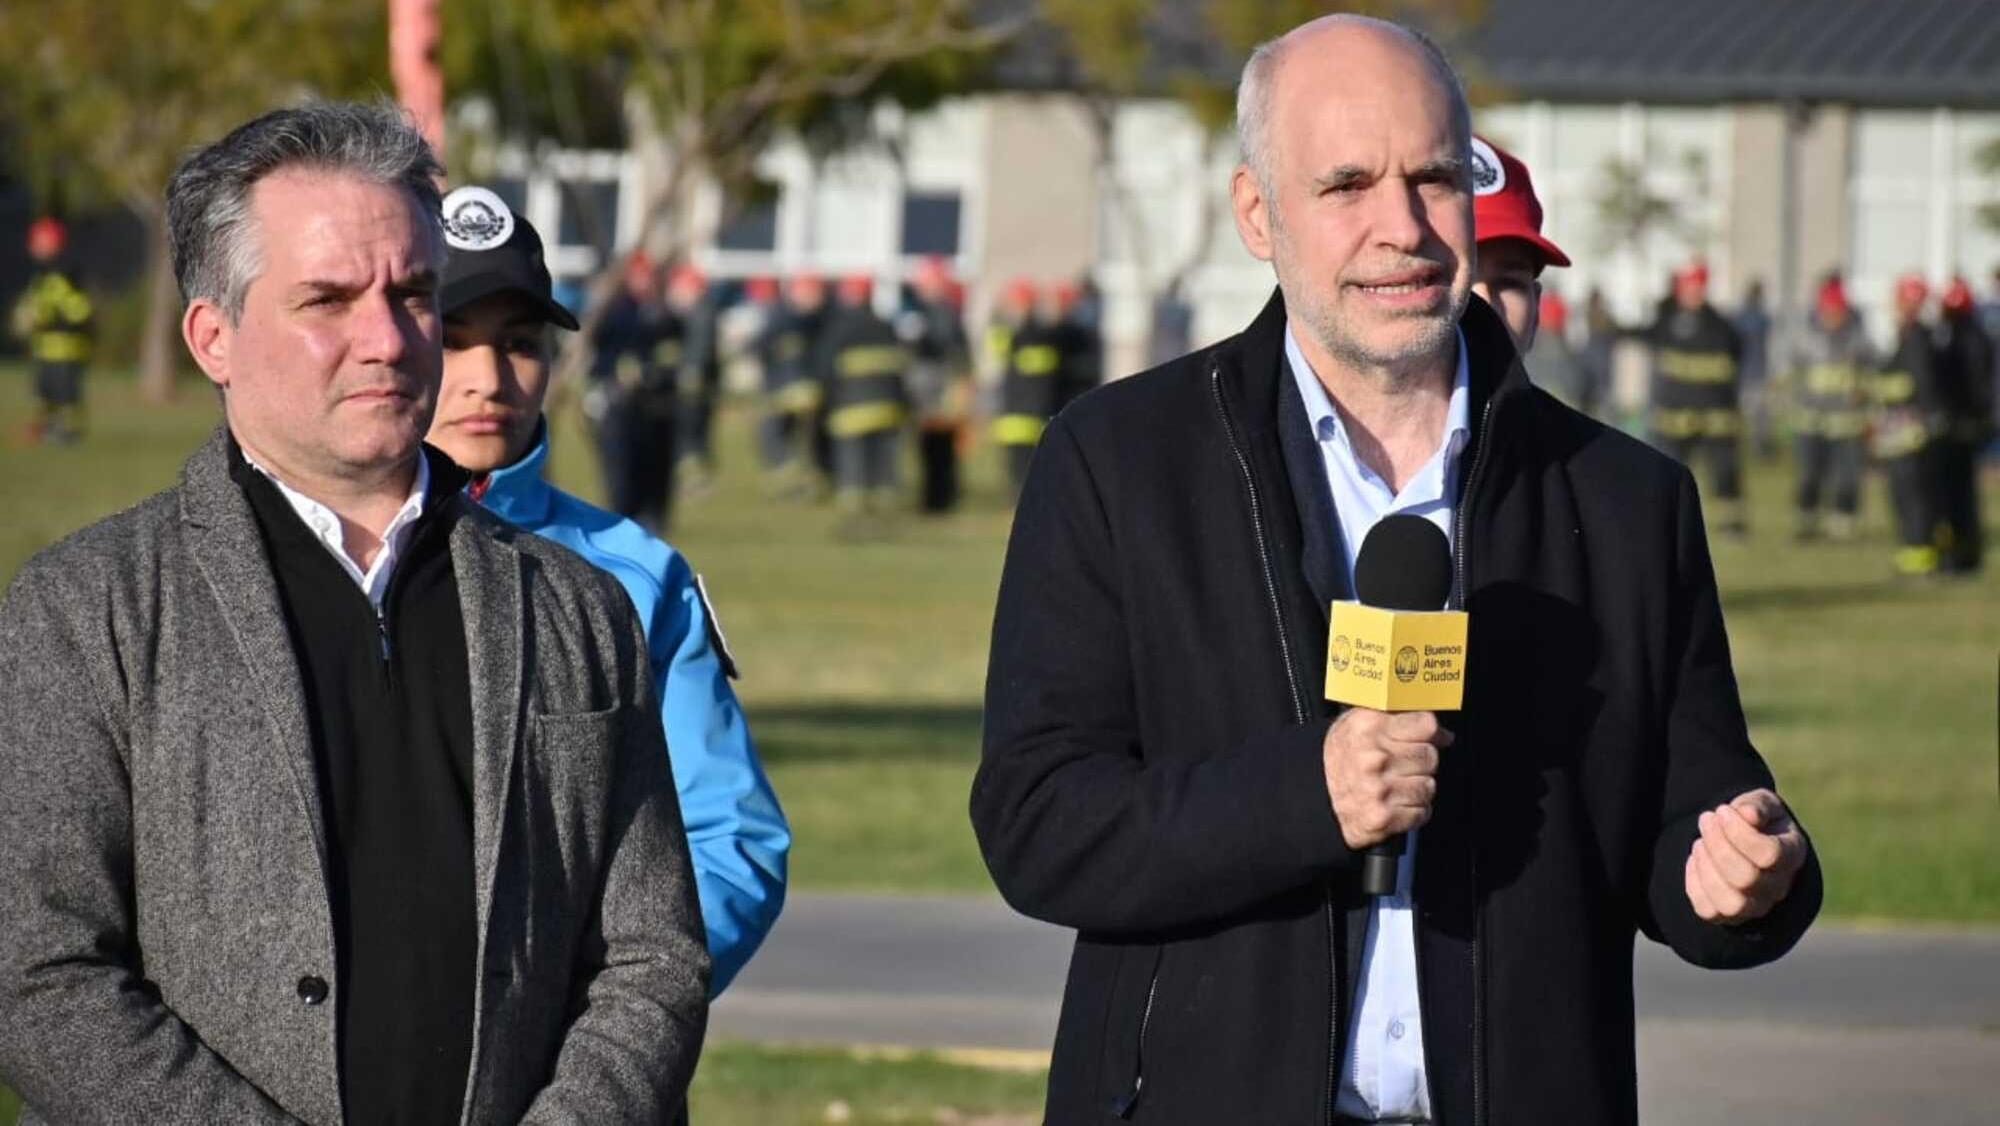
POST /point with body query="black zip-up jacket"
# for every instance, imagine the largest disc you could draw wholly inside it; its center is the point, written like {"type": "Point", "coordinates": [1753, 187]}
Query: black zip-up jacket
{"type": "Point", "coordinates": [1152, 771]}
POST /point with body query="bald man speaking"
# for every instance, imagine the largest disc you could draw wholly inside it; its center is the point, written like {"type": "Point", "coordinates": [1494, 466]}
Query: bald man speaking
{"type": "Point", "coordinates": [1161, 774]}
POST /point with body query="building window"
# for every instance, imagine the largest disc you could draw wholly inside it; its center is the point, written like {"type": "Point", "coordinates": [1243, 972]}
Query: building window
{"type": "Point", "coordinates": [751, 223]}
{"type": "Point", "coordinates": [589, 214]}
{"type": "Point", "coordinates": [930, 223]}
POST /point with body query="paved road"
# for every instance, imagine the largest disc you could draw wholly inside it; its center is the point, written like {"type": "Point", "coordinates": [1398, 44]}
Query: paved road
{"type": "Point", "coordinates": [1854, 1028]}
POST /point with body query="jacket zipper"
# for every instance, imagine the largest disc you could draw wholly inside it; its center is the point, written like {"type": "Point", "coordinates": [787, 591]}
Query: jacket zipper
{"type": "Point", "coordinates": [1126, 1103]}
{"type": "Point", "coordinates": [1458, 551]}
{"type": "Point", "coordinates": [1299, 716]}
{"type": "Point", "coordinates": [1263, 546]}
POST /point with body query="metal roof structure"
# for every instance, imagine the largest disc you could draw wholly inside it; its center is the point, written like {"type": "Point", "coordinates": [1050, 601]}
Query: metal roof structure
{"type": "Point", "coordinates": [1863, 52]}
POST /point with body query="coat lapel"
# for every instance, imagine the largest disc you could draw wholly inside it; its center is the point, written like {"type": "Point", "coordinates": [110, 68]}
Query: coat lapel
{"type": "Point", "coordinates": [229, 550]}
{"type": "Point", "coordinates": [490, 597]}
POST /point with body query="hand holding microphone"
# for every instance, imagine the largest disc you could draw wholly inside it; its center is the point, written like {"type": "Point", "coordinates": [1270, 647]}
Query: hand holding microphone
{"type": "Point", "coordinates": [1396, 657]}
{"type": "Point", "coordinates": [1381, 772]}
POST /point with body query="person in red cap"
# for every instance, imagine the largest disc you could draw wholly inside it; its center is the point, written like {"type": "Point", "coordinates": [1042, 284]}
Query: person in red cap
{"type": "Point", "coordinates": [1965, 378]}
{"type": "Point", "coordinates": [692, 328]}
{"type": "Point", "coordinates": [864, 365]}
{"type": "Point", "coordinates": [631, 400]}
{"type": "Point", "coordinates": [1827, 375]}
{"type": "Point", "coordinates": [1513, 252]}
{"type": "Point", "coordinates": [1906, 399]}
{"type": "Point", "coordinates": [1035, 384]}
{"type": "Point", "coordinates": [793, 393]}
{"type": "Point", "coordinates": [57, 318]}
{"type": "Point", "coordinates": [940, 379]}
{"type": "Point", "coordinates": [1697, 392]}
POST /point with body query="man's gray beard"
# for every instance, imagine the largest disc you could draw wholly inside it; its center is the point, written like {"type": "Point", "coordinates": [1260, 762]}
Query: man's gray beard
{"type": "Point", "coordinates": [1435, 339]}
{"type": "Point", "coordinates": [1333, 333]}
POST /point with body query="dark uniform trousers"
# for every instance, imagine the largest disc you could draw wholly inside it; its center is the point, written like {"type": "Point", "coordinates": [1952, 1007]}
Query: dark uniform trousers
{"type": "Point", "coordinates": [1830, 425]}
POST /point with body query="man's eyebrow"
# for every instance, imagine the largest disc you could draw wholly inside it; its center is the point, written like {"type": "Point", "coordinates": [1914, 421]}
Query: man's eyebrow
{"type": "Point", "coordinates": [1439, 168]}
{"type": "Point", "coordinates": [1345, 175]}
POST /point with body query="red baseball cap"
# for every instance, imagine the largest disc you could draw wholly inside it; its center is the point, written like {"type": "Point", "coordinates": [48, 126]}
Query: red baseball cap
{"type": "Point", "coordinates": [1504, 204]}
{"type": "Point", "coordinates": [1957, 296]}
{"type": "Point", "coordinates": [857, 289]}
{"type": "Point", "coordinates": [47, 237]}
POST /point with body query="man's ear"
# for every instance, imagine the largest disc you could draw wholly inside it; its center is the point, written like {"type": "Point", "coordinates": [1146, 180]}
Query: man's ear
{"type": "Point", "coordinates": [208, 335]}
{"type": "Point", "coordinates": [1253, 213]}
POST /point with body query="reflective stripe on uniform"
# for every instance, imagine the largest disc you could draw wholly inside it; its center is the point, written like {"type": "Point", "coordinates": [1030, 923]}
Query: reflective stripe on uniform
{"type": "Point", "coordinates": [1892, 388]}
{"type": "Point", "coordinates": [1019, 429]}
{"type": "Point", "coordinates": [799, 398]}
{"type": "Point", "coordinates": [1689, 423]}
{"type": "Point", "coordinates": [1037, 360]}
{"type": "Point", "coordinates": [1697, 367]}
{"type": "Point", "coordinates": [55, 346]}
{"type": "Point", "coordinates": [865, 360]}
{"type": "Point", "coordinates": [864, 418]}
{"type": "Point", "coordinates": [1832, 424]}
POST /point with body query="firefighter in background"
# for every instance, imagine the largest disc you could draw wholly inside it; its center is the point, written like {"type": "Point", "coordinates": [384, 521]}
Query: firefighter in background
{"type": "Point", "coordinates": [56, 318]}
{"type": "Point", "coordinates": [1906, 401]}
{"type": "Point", "coordinates": [631, 401]}
{"type": "Point", "coordinates": [1696, 404]}
{"type": "Point", "coordinates": [1077, 313]}
{"type": "Point", "coordinates": [864, 365]}
{"type": "Point", "coordinates": [1031, 382]}
{"type": "Point", "coordinates": [940, 379]}
{"type": "Point", "coordinates": [1965, 382]}
{"type": "Point", "coordinates": [1827, 378]}
{"type": "Point", "coordinates": [1014, 310]}
{"type": "Point", "coordinates": [793, 392]}
{"type": "Point", "coordinates": [693, 324]}
{"type": "Point", "coordinates": [1554, 363]}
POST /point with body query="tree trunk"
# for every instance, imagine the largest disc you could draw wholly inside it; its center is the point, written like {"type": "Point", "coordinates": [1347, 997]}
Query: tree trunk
{"type": "Point", "coordinates": [159, 341]}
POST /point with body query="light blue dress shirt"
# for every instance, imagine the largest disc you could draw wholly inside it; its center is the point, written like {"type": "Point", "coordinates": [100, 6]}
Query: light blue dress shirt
{"type": "Point", "coordinates": [738, 840]}
{"type": "Point", "coordinates": [1383, 1075]}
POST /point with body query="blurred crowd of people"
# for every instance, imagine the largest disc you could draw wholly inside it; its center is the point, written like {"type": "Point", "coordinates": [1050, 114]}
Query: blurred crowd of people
{"type": "Point", "coordinates": [844, 381]}
{"type": "Point", "coordinates": [842, 384]}
{"type": "Point", "coordinates": [1720, 383]}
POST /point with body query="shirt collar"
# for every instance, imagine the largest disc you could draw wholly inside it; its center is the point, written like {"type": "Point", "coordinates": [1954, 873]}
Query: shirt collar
{"type": "Point", "coordinates": [518, 493]}
{"type": "Point", "coordinates": [324, 523]}
{"type": "Point", "coordinates": [1326, 421]}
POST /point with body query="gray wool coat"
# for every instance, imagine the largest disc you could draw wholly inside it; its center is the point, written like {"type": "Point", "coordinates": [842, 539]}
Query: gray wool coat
{"type": "Point", "coordinates": [162, 858]}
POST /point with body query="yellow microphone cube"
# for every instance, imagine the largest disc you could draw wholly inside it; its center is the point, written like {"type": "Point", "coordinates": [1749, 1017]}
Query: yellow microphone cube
{"type": "Point", "coordinates": [1396, 660]}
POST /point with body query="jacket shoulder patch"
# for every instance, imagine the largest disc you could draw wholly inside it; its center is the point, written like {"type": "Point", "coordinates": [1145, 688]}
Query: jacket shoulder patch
{"type": "Point", "coordinates": [716, 637]}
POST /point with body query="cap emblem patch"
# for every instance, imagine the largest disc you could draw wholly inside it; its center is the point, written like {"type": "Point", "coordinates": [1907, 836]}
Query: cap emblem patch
{"type": "Point", "coordinates": [1488, 175]}
{"type": "Point", "coordinates": [476, 219]}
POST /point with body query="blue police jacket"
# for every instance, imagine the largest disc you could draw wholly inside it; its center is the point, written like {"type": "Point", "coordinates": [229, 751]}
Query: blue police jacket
{"type": "Point", "coordinates": [737, 835]}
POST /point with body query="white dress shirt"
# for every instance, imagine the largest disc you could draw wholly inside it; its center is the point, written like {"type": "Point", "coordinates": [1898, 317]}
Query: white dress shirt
{"type": "Point", "coordinates": [1383, 1075]}
{"type": "Point", "coordinates": [325, 525]}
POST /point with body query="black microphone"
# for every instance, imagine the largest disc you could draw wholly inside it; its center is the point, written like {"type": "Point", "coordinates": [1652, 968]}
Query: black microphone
{"type": "Point", "coordinates": [1404, 565]}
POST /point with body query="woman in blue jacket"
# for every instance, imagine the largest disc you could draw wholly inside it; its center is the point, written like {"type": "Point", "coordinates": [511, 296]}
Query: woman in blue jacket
{"type": "Point", "coordinates": [496, 301]}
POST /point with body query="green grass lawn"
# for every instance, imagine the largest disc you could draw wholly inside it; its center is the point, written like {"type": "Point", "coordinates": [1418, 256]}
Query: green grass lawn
{"type": "Point", "coordinates": [745, 1085]}
{"type": "Point", "coordinates": [1874, 700]}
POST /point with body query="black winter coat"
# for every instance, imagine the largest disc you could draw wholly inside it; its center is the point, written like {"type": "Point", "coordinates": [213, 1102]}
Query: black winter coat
{"type": "Point", "coordinates": [1152, 773]}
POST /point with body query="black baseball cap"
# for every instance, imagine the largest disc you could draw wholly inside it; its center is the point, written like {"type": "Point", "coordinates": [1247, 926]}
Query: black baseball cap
{"type": "Point", "coordinates": [494, 251]}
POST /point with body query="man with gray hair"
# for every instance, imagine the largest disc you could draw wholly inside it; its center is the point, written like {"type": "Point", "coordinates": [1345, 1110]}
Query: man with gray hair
{"type": "Point", "coordinates": [331, 797]}
{"type": "Point", "coordinates": [1160, 770]}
